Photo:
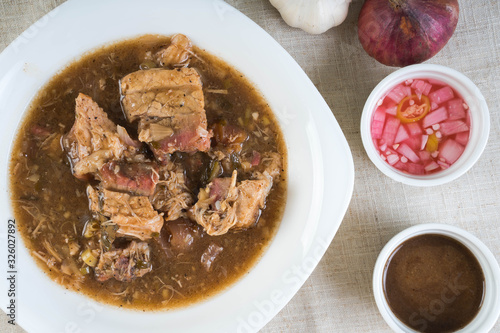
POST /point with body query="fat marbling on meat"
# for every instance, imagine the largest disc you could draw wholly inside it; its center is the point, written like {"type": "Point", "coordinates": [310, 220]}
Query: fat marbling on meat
{"type": "Point", "coordinates": [169, 105]}
{"type": "Point", "coordinates": [136, 178]}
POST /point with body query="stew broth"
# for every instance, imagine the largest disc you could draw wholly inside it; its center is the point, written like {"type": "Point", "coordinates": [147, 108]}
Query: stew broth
{"type": "Point", "coordinates": [51, 206]}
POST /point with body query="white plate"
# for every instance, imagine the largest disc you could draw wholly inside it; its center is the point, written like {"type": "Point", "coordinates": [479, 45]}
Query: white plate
{"type": "Point", "coordinates": [321, 172]}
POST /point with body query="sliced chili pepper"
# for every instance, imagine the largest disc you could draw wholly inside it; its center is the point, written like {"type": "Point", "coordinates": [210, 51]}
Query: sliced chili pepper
{"type": "Point", "coordinates": [413, 108]}
{"type": "Point", "coordinates": [432, 143]}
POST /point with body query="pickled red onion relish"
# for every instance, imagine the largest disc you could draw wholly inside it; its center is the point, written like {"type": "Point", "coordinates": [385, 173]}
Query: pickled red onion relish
{"type": "Point", "coordinates": [421, 126]}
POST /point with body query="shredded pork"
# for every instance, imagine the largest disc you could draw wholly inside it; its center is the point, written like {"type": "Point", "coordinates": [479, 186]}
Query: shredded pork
{"type": "Point", "coordinates": [171, 194]}
{"type": "Point", "coordinates": [225, 204]}
{"type": "Point", "coordinates": [124, 264]}
{"type": "Point", "coordinates": [177, 54]}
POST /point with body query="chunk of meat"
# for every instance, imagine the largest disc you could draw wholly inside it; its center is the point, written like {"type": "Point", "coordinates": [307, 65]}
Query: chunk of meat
{"type": "Point", "coordinates": [228, 138]}
{"type": "Point", "coordinates": [271, 163]}
{"type": "Point", "coordinates": [162, 93]}
{"type": "Point", "coordinates": [209, 255]}
{"type": "Point", "coordinates": [134, 215]}
{"type": "Point", "coordinates": [177, 54]}
{"type": "Point", "coordinates": [170, 107]}
{"type": "Point", "coordinates": [124, 264]}
{"type": "Point", "coordinates": [171, 194]}
{"type": "Point", "coordinates": [134, 178]}
{"type": "Point", "coordinates": [183, 132]}
{"type": "Point", "coordinates": [177, 237]}
{"type": "Point", "coordinates": [220, 189]}
{"type": "Point", "coordinates": [93, 139]}
{"type": "Point", "coordinates": [225, 204]}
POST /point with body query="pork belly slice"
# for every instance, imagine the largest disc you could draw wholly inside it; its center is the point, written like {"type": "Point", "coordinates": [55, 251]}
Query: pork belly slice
{"type": "Point", "coordinates": [134, 215]}
{"type": "Point", "coordinates": [124, 264]}
{"type": "Point", "coordinates": [93, 140]}
{"type": "Point", "coordinates": [162, 93]}
{"type": "Point", "coordinates": [225, 204]}
{"type": "Point", "coordinates": [169, 105]}
{"type": "Point", "coordinates": [134, 178]}
{"type": "Point", "coordinates": [171, 195]}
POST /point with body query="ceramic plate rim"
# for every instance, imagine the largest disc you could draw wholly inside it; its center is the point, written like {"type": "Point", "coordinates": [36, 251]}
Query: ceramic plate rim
{"type": "Point", "coordinates": [304, 113]}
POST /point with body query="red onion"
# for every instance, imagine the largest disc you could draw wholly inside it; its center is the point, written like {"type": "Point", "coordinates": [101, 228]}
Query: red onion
{"type": "Point", "coordinates": [406, 32]}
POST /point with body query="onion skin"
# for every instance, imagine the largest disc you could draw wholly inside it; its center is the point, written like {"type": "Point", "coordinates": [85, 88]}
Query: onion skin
{"type": "Point", "coordinates": [405, 32]}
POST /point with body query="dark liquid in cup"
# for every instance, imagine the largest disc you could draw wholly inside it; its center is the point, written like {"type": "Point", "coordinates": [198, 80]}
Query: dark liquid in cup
{"type": "Point", "coordinates": [433, 283]}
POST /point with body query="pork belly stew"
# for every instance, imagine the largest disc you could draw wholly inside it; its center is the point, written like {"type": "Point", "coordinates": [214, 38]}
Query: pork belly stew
{"type": "Point", "coordinates": [148, 174]}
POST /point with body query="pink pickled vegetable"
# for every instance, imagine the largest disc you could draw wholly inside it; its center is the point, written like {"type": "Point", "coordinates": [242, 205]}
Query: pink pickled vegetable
{"type": "Point", "coordinates": [415, 168]}
{"type": "Point", "coordinates": [431, 166]}
{"type": "Point", "coordinates": [451, 150]}
{"type": "Point", "coordinates": [443, 165]}
{"type": "Point", "coordinates": [405, 150]}
{"type": "Point", "coordinates": [401, 166]}
{"type": "Point", "coordinates": [435, 82]}
{"type": "Point", "coordinates": [453, 127]}
{"type": "Point", "coordinates": [424, 142]}
{"type": "Point", "coordinates": [390, 130]}
{"type": "Point", "coordinates": [424, 155]}
{"type": "Point", "coordinates": [392, 110]}
{"type": "Point", "coordinates": [462, 138]}
{"type": "Point", "coordinates": [397, 94]}
{"type": "Point", "coordinates": [392, 159]}
{"type": "Point", "coordinates": [378, 123]}
{"type": "Point", "coordinates": [442, 95]}
{"type": "Point", "coordinates": [422, 87]}
{"type": "Point", "coordinates": [456, 109]}
{"type": "Point", "coordinates": [435, 117]}
{"type": "Point", "coordinates": [402, 135]}
{"type": "Point", "coordinates": [414, 142]}
{"type": "Point", "coordinates": [425, 145]}
{"type": "Point", "coordinates": [407, 91]}
{"type": "Point", "coordinates": [414, 129]}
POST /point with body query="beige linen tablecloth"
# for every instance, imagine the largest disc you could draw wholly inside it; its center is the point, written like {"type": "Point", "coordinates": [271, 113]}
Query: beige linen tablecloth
{"type": "Point", "coordinates": [338, 295]}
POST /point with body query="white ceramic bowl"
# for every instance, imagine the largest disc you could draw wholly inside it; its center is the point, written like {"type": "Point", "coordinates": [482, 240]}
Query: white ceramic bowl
{"type": "Point", "coordinates": [479, 132]}
{"type": "Point", "coordinates": [490, 309]}
{"type": "Point", "coordinates": [320, 172]}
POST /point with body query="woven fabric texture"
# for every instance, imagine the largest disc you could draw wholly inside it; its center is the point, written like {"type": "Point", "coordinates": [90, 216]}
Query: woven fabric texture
{"type": "Point", "coordinates": [338, 295]}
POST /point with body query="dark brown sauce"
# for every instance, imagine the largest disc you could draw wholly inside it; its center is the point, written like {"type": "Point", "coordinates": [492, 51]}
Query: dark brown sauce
{"type": "Point", "coordinates": [433, 283]}
{"type": "Point", "coordinates": [51, 207]}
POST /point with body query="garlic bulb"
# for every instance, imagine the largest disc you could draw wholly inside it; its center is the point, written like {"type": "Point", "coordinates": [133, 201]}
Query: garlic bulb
{"type": "Point", "coordinates": [313, 16]}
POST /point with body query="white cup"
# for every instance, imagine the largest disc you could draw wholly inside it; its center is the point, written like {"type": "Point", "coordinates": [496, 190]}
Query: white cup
{"type": "Point", "coordinates": [479, 113]}
{"type": "Point", "coordinates": [490, 309]}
